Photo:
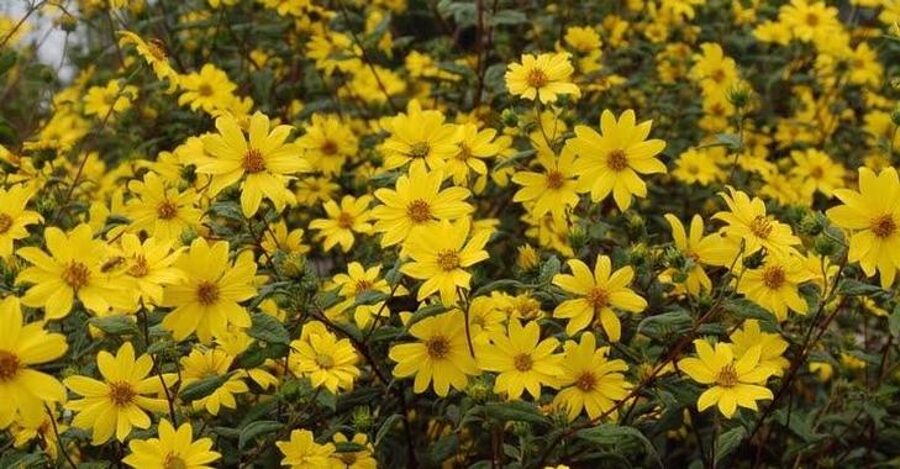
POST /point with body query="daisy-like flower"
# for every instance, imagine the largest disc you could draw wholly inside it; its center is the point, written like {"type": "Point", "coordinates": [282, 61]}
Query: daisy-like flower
{"type": "Point", "coordinates": [473, 147]}
{"type": "Point", "coordinates": [153, 52]}
{"type": "Point", "coordinates": [23, 345]}
{"type": "Point", "coordinates": [553, 190]}
{"type": "Point", "coordinates": [161, 212]}
{"type": "Point", "coordinates": [74, 269]}
{"type": "Point", "coordinates": [748, 224]}
{"type": "Point", "coordinates": [356, 281]}
{"type": "Point", "coordinates": [264, 162]}
{"type": "Point", "coordinates": [150, 265]}
{"type": "Point", "coordinates": [112, 98]}
{"type": "Point", "coordinates": [173, 449]}
{"type": "Point", "coordinates": [872, 215]}
{"type": "Point", "coordinates": [352, 216]}
{"type": "Point", "coordinates": [523, 361]}
{"type": "Point", "coordinates": [610, 161]}
{"type": "Point", "coordinates": [543, 77]}
{"type": "Point", "coordinates": [328, 143]}
{"type": "Point", "coordinates": [362, 459]}
{"type": "Point", "coordinates": [590, 381]}
{"type": "Point", "coordinates": [775, 285]}
{"type": "Point", "coordinates": [201, 364]}
{"type": "Point", "coordinates": [772, 346]}
{"type": "Point", "coordinates": [119, 402]}
{"type": "Point", "coordinates": [326, 360]}
{"type": "Point", "coordinates": [732, 383]}
{"type": "Point", "coordinates": [440, 354]}
{"type": "Point", "coordinates": [14, 218]}
{"type": "Point", "coordinates": [210, 89]}
{"type": "Point", "coordinates": [302, 451]}
{"type": "Point", "coordinates": [208, 301]}
{"type": "Point", "coordinates": [440, 255]}
{"type": "Point", "coordinates": [417, 201]}
{"type": "Point", "coordinates": [699, 250]}
{"type": "Point", "coordinates": [420, 138]}
{"type": "Point", "coordinates": [598, 293]}
{"type": "Point", "coordinates": [817, 171]}
{"type": "Point", "coordinates": [278, 238]}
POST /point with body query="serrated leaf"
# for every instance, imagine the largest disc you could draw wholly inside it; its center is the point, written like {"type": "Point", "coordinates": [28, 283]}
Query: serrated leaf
{"type": "Point", "coordinates": [729, 441]}
{"type": "Point", "coordinates": [204, 387]}
{"type": "Point", "coordinates": [514, 411]}
{"type": "Point", "coordinates": [268, 329]}
{"type": "Point", "coordinates": [116, 325]}
{"type": "Point", "coordinates": [255, 429]}
{"type": "Point", "coordinates": [610, 434]}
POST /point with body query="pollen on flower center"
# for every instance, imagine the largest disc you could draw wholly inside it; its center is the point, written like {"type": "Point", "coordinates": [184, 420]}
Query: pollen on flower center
{"type": "Point", "coordinates": [555, 179]}
{"type": "Point", "coordinates": [812, 19]}
{"type": "Point", "coordinates": [586, 381]}
{"type": "Point", "coordinates": [76, 275]}
{"type": "Point", "coordinates": [6, 223]}
{"type": "Point", "coordinates": [329, 147]}
{"type": "Point", "coordinates": [324, 361]}
{"type": "Point", "coordinates": [174, 462]}
{"type": "Point", "coordinates": [156, 49]}
{"type": "Point", "coordinates": [598, 297]}
{"type": "Point", "coordinates": [9, 366]}
{"type": "Point", "coordinates": [139, 268]}
{"type": "Point", "coordinates": [121, 393]}
{"type": "Point", "coordinates": [884, 226]}
{"type": "Point", "coordinates": [617, 160]}
{"type": "Point", "coordinates": [166, 210]}
{"type": "Point", "coordinates": [537, 78]}
{"type": "Point", "coordinates": [727, 376]}
{"type": "Point", "coordinates": [363, 286]}
{"type": "Point", "coordinates": [817, 172]}
{"type": "Point", "coordinates": [773, 277]}
{"type": "Point", "coordinates": [761, 227]}
{"type": "Point", "coordinates": [254, 161]}
{"type": "Point", "coordinates": [345, 220]}
{"type": "Point", "coordinates": [464, 152]}
{"type": "Point", "coordinates": [419, 211]}
{"type": "Point", "coordinates": [438, 347]}
{"type": "Point", "coordinates": [718, 75]}
{"type": "Point", "coordinates": [419, 150]}
{"type": "Point", "coordinates": [207, 293]}
{"type": "Point", "coordinates": [523, 362]}
{"type": "Point", "coordinates": [205, 90]}
{"type": "Point", "coordinates": [448, 259]}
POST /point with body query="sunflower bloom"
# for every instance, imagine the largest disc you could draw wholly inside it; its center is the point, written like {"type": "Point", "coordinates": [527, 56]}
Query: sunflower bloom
{"type": "Point", "coordinates": [523, 361]}
{"type": "Point", "coordinates": [749, 224]}
{"type": "Point", "coordinates": [14, 218]}
{"type": "Point", "coordinates": [553, 190]}
{"type": "Point", "coordinates": [302, 451]}
{"type": "Point", "coordinates": [326, 360]}
{"type": "Point", "coordinates": [160, 211]}
{"type": "Point", "coordinates": [420, 138]}
{"type": "Point", "coordinates": [173, 448]}
{"type": "Point", "coordinates": [590, 381]}
{"type": "Point", "coordinates": [543, 77]}
{"type": "Point", "coordinates": [352, 216]}
{"type": "Point", "coordinates": [202, 364]}
{"type": "Point", "coordinates": [775, 285]}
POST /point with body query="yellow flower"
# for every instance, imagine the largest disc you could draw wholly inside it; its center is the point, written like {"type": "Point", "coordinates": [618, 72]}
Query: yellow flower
{"type": "Point", "coordinates": [302, 451]}
{"type": "Point", "coordinates": [748, 223]}
{"type": "Point", "coordinates": [311, 190]}
{"type": "Point", "coordinates": [817, 171]}
{"type": "Point", "coordinates": [543, 77]}
{"type": "Point", "coordinates": [210, 89]}
{"type": "Point", "coordinates": [328, 143]}
{"type": "Point", "coordinates": [278, 238]}
{"type": "Point", "coordinates": [153, 52]}
{"type": "Point", "coordinates": [201, 364]}
{"type": "Point", "coordinates": [598, 293]}
{"type": "Point", "coordinates": [207, 302]}
{"type": "Point", "coordinates": [440, 254]}
{"type": "Point", "coordinates": [441, 354]}
{"type": "Point", "coordinates": [326, 360]}
{"type": "Point", "coordinates": [356, 281]}
{"type": "Point", "coordinates": [611, 160]}
{"type": "Point", "coordinates": [161, 212]}
{"type": "Point", "coordinates": [473, 146]}
{"type": "Point", "coordinates": [113, 98]}
{"type": "Point", "coordinates": [733, 382]}
{"type": "Point", "coordinates": [119, 402]}
{"type": "Point", "coordinates": [173, 449]}
{"type": "Point", "coordinates": [14, 218]}
{"type": "Point", "coordinates": [551, 191]}
{"type": "Point", "coordinates": [523, 361]}
{"type": "Point", "coordinates": [698, 167]}
{"type": "Point", "coordinates": [420, 138]}
{"type": "Point", "coordinates": [590, 381]}
{"type": "Point", "coordinates": [26, 390]}
{"type": "Point", "coordinates": [698, 249]}
{"type": "Point", "coordinates": [150, 265]}
{"type": "Point", "coordinates": [264, 163]}
{"type": "Point", "coordinates": [775, 285]}
{"type": "Point", "coordinates": [43, 431]}
{"type": "Point", "coordinates": [872, 215]}
{"type": "Point", "coordinates": [362, 459]}
{"type": "Point", "coordinates": [351, 217]}
{"type": "Point", "coordinates": [73, 269]}
{"type": "Point", "coordinates": [417, 201]}
{"type": "Point", "coordinates": [772, 346]}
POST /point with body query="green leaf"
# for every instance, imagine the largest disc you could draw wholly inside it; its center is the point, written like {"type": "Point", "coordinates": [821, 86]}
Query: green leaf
{"type": "Point", "coordinates": [548, 270]}
{"type": "Point", "coordinates": [425, 312]}
{"type": "Point", "coordinates": [348, 447]}
{"type": "Point", "coordinates": [610, 434]}
{"type": "Point", "coordinates": [204, 387]}
{"type": "Point", "coordinates": [116, 325]}
{"type": "Point", "coordinates": [386, 428]}
{"type": "Point", "coordinates": [369, 297]}
{"type": "Point", "coordinates": [257, 428]}
{"type": "Point", "coordinates": [7, 60]}
{"type": "Point", "coordinates": [729, 441]}
{"type": "Point", "coordinates": [268, 329]}
{"type": "Point", "coordinates": [731, 141]}
{"type": "Point", "coordinates": [500, 285]}
{"type": "Point", "coordinates": [850, 287]}
{"type": "Point", "coordinates": [514, 411]}
{"type": "Point", "coordinates": [508, 17]}
{"type": "Point", "coordinates": [664, 324]}
{"type": "Point", "coordinates": [894, 322]}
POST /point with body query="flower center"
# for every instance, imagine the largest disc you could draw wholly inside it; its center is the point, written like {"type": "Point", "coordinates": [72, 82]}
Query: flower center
{"type": "Point", "coordinates": [166, 210]}
{"type": "Point", "coordinates": [174, 462]}
{"type": "Point", "coordinates": [586, 381]}
{"type": "Point", "coordinates": [6, 223]}
{"type": "Point", "coordinates": [438, 347]}
{"type": "Point", "coordinates": [419, 150]}
{"type": "Point", "coordinates": [884, 226]}
{"type": "Point", "coordinates": [727, 376]}
{"type": "Point", "coordinates": [598, 297]}
{"type": "Point", "coordinates": [761, 227]}
{"type": "Point", "coordinates": [464, 152]}
{"type": "Point", "coordinates": [817, 172]}
{"type": "Point", "coordinates": [812, 19]}
{"type": "Point", "coordinates": [345, 220]}
{"type": "Point", "coordinates": [523, 362]}
{"type": "Point", "coordinates": [718, 75]}
{"type": "Point", "coordinates": [363, 286]}
{"type": "Point", "coordinates": [555, 179]}
{"type": "Point", "coordinates": [207, 293]}
{"type": "Point", "coordinates": [325, 361]}
{"type": "Point", "coordinates": [157, 49]}
{"type": "Point", "coordinates": [76, 275]}
{"type": "Point", "coordinates": [537, 78]}
{"type": "Point", "coordinates": [448, 259]}
{"type": "Point", "coordinates": [9, 366]}
{"type": "Point", "coordinates": [121, 393]}
{"type": "Point", "coordinates": [139, 268]}
{"type": "Point", "coordinates": [617, 160]}
{"type": "Point", "coordinates": [205, 90]}
{"type": "Point", "coordinates": [254, 161]}
{"type": "Point", "coordinates": [419, 211]}
{"type": "Point", "coordinates": [773, 277]}
{"type": "Point", "coordinates": [329, 147]}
